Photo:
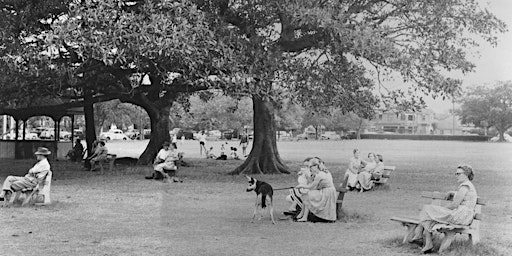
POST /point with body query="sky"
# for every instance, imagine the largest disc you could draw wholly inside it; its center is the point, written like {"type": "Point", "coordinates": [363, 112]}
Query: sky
{"type": "Point", "coordinates": [492, 63]}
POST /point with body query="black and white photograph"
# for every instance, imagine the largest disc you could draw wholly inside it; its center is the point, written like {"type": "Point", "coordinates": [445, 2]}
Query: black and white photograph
{"type": "Point", "coordinates": [251, 128]}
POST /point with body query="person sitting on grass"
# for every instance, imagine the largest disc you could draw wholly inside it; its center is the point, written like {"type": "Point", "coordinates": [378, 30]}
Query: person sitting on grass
{"type": "Point", "coordinates": [320, 200]}
{"type": "Point", "coordinates": [295, 196]}
{"type": "Point", "coordinates": [210, 154]}
{"type": "Point", "coordinates": [100, 154]}
{"type": "Point", "coordinates": [459, 212]}
{"type": "Point", "coordinates": [34, 176]}
{"type": "Point", "coordinates": [233, 154]}
{"type": "Point", "coordinates": [364, 178]}
{"type": "Point", "coordinates": [164, 162]}
{"type": "Point", "coordinates": [76, 153]}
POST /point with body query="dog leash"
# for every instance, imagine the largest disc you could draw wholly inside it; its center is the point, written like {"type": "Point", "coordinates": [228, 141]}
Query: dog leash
{"type": "Point", "coordinates": [283, 188]}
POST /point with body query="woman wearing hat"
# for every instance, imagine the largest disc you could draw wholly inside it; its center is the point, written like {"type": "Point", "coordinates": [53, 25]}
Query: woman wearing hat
{"type": "Point", "coordinates": [35, 175]}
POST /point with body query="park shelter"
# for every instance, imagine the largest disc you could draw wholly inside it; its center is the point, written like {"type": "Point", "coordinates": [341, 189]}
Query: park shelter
{"type": "Point", "coordinates": [24, 149]}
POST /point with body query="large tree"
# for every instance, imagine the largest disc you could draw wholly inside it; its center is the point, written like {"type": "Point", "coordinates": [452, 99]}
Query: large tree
{"type": "Point", "coordinates": [488, 107]}
{"type": "Point", "coordinates": [143, 52]}
{"type": "Point", "coordinates": [323, 53]}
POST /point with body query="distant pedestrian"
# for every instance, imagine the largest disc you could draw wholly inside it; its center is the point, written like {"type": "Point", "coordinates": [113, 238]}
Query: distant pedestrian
{"type": "Point", "coordinates": [244, 142]}
{"type": "Point", "coordinates": [174, 141]}
{"type": "Point", "coordinates": [202, 142]}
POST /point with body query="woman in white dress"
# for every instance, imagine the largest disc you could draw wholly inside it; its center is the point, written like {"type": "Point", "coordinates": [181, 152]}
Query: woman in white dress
{"type": "Point", "coordinates": [320, 200]}
{"type": "Point", "coordinates": [459, 212]}
{"type": "Point", "coordinates": [354, 166]}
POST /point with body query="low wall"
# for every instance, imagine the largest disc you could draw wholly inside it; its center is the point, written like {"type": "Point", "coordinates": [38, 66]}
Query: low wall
{"type": "Point", "coordinates": [424, 137]}
{"type": "Point", "coordinates": [7, 149]}
{"type": "Point", "coordinates": [11, 149]}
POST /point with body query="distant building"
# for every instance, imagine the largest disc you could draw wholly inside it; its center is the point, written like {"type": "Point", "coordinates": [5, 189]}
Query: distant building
{"type": "Point", "coordinates": [404, 122]}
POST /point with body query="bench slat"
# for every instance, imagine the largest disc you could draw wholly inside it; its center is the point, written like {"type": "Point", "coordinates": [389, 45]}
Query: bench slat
{"type": "Point", "coordinates": [406, 220]}
{"type": "Point", "coordinates": [441, 196]}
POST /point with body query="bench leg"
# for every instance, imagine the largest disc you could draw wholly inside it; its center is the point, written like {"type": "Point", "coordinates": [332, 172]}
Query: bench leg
{"type": "Point", "coordinates": [447, 241]}
{"type": "Point", "coordinates": [28, 198]}
{"type": "Point", "coordinates": [339, 205]}
{"type": "Point", "coordinates": [409, 233]}
{"type": "Point", "coordinates": [7, 199]}
{"type": "Point", "coordinates": [474, 236]}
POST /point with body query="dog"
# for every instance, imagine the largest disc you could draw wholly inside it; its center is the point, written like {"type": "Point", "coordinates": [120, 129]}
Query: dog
{"type": "Point", "coordinates": [264, 193]}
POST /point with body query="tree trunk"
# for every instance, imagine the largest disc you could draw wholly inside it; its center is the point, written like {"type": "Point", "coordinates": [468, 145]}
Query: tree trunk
{"type": "Point", "coordinates": [159, 118]}
{"type": "Point", "coordinates": [90, 130]}
{"type": "Point", "coordinates": [264, 157]}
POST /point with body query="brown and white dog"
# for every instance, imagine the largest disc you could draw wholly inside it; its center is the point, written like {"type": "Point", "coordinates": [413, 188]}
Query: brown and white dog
{"type": "Point", "coordinates": [264, 193]}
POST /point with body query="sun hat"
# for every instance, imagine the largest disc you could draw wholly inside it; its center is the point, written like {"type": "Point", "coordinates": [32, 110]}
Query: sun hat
{"type": "Point", "coordinates": [42, 151]}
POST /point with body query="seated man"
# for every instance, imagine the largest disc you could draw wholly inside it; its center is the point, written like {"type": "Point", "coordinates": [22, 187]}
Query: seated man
{"type": "Point", "coordinates": [35, 175]}
{"type": "Point", "coordinates": [76, 153]}
{"type": "Point", "coordinates": [165, 161]}
{"type": "Point", "coordinates": [100, 154]}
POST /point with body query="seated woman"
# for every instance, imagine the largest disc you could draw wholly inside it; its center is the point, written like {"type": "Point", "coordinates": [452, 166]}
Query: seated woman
{"type": "Point", "coordinates": [34, 176]}
{"type": "Point", "coordinates": [354, 167]}
{"type": "Point", "coordinates": [76, 153]}
{"type": "Point", "coordinates": [165, 161]}
{"type": "Point", "coordinates": [295, 196]}
{"type": "Point", "coordinates": [233, 154]}
{"type": "Point", "coordinates": [210, 154]}
{"type": "Point", "coordinates": [100, 154]}
{"type": "Point", "coordinates": [364, 178]}
{"type": "Point", "coordinates": [459, 212]}
{"type": "Point", "coordinates": [320, 200]}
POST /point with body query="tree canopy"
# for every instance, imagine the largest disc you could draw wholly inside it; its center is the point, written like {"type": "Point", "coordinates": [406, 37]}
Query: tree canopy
{"type": "Point", "coordinates": [488, 107]}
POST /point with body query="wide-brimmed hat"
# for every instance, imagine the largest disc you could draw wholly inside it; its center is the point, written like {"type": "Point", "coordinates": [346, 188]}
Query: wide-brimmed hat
{"type": "Point", "coordinates": [42, 151]}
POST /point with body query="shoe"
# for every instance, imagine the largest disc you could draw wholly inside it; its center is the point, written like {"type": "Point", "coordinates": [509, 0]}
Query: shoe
{"type": "Point", "coordinates": [2, 199]}
{"type": "Point", "coordinates": [291, 213]}
{"type": "Point", "coordinates": [149, 177]}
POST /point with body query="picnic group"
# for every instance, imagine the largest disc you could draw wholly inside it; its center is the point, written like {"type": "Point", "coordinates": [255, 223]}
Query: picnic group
{"type": "Point", "coordinates": [312, 200]}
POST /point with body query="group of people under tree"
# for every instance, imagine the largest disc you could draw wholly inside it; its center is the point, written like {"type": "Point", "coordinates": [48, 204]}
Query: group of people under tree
{"type": "Point", "coordinates": [361, 174]}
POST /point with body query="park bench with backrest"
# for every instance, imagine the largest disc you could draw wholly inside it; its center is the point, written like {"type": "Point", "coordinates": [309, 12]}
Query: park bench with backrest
{"type": "Point", "coordinates": [109, 161]}
{"type": "Point", "coordinates": [449, 230]}
{"type": "Point", "coordinates": [386, 174]}
{"type": "Point", "coordinates": [39, 195]}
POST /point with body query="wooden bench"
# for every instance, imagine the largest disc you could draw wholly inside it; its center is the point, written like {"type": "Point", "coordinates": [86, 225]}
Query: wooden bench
{"type": "Point", "coordinates": [342, 189]}
{"type": "Point", "coordinates": [39, 195]}
{"type": "Point", "coordinates": [110, 161]}
{"type": "Point", "coordinates": [385, 175]}
{"type": "Point", "coordinates": [449, 231]}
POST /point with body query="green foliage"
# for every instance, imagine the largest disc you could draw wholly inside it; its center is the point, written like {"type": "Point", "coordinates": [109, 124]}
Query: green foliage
{"type": "Point", "coordinates": [218, 112]}
{"type": "Point", "coordinates": [488, 107]}
{"type": "Point", "coordinates": [328, 53]}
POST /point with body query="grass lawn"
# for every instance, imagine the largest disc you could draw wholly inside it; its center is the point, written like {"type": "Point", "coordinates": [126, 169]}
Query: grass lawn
{"type": "Point", "coordinates": [121, 213]}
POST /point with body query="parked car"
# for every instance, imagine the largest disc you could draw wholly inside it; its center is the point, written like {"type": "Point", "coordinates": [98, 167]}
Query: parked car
{"type": "Point", "coordinates": [115, 134]}
{"type": "Point", "coordinates": [65, 135]}
{"type": "Point", "coordinates": [215, 133]}
{"type": "Point", "coordinates": [79, 134]}
{"type": "Point", "coordinates": [28, 135]}
{"type": "Point", "coordinates": [350, 135]}
{"type": "Point", "coordinates": [47, 134]}
{"type": "Point", "coordinates": [188, 134]}
{"type": "Point", "coordinates": [229, 134]}
{"type": "Point", "coordinates": [306, 136]}
{"type": "Point", "coordinates": [329, 135]}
